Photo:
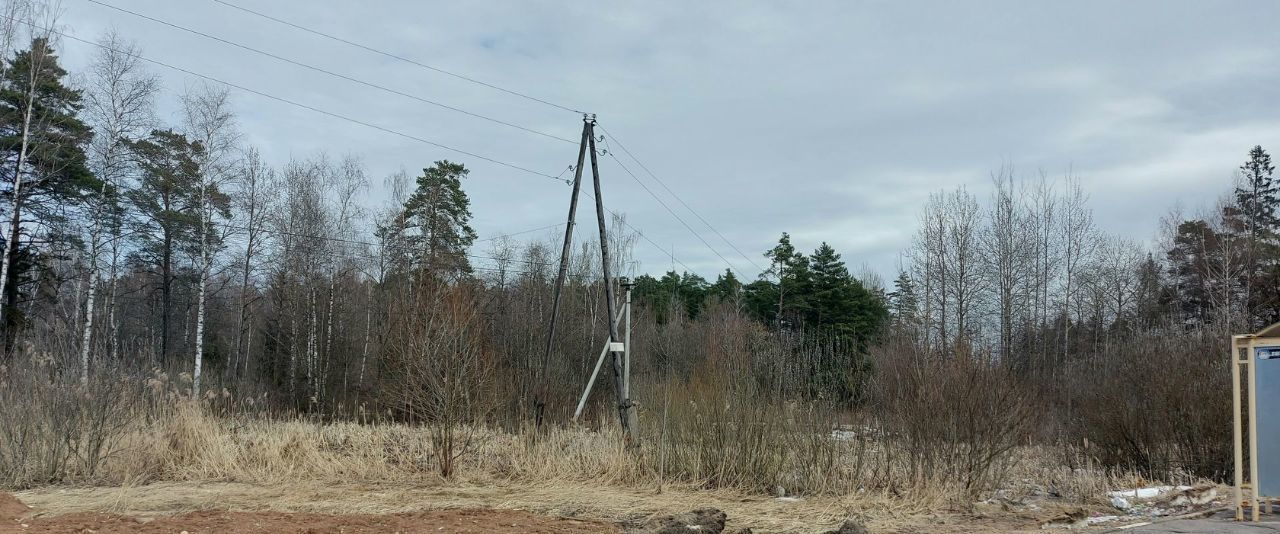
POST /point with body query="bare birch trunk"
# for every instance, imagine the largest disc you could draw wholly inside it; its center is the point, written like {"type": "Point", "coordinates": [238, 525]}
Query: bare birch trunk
{"type": "Point", "coordinates": [204, 273]}
{"type": "Point", "coordinates": [87, 337]}
{"type": "Point", "coordinates": [11, 246]}
{"type": "Point", "coordinates": [368, 324]}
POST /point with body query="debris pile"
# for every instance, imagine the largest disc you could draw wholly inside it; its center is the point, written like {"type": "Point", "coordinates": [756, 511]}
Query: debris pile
{"type": "Point", "coordinates": [1143, 504]}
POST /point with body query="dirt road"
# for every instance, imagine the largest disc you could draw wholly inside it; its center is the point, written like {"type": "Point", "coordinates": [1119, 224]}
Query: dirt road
{"type": "Point", "coordinates": [459, 521]}
{"type": "Point", "coordinates": [172, 507]}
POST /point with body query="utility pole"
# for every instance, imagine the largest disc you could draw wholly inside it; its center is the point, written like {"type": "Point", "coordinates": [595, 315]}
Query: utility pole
{"type": "Point", "coordinates": [616, 346]}
{"type": "Point", "coordinates": [626, 356]}
{"type": "Point", "coordinates": [624, 404]}
{"type": "Point", "coordinates": [540, 397]}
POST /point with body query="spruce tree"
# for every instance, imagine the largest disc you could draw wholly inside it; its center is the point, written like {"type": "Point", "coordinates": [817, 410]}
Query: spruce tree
{"type": "Point", "coordinates": [726, 287]}
{"type": "Point", "coordinates": [1257, 200]}
{"type": "Point", "coordinates": [1259, 197]}
{"type": "Point", "coordinates": [830, 302]}
{"type": "Point", "coordinates": [903, 303]}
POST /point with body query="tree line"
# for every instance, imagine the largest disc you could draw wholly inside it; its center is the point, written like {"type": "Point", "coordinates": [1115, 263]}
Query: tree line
{"type": "Point", "coordinates": [135, 244]}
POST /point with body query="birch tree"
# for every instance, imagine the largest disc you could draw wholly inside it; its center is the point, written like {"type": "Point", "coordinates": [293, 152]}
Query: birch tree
{"type": "Point", "coordinates": [207, 119]}
{"type": "Point", "coordinates": [253, 203]}
{"type": "Point", "coordinates": [1079, 240]}
{"type": "Point", "coordinates": [119, 106]}
{"type": "Point", "coordinates": [963, 276]}
{"type": "Point", "coordinates": [1007, 259]}
{"type": "Point", "coordinates": [1044, 222]}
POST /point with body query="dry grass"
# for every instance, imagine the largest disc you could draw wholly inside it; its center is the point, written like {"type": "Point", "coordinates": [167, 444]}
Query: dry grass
{"type": "Point", "coordinates": [171, 454]}
{"type": "Point", "coordinates": [563, 499]}
{"type": "Point", "coordinates": [192, 445]}
{"type": "Point", "coordinates": [193, 460]}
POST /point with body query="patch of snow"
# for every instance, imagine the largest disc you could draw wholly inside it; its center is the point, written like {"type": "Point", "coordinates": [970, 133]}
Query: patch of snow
{"type": "Point", "coordinates": [843, 435]}
{"type": "Point", "coordinates": [1147, 493]}
{"type": "Point", "coordinates": [789, 499]}
{"type": "Point", "coordinates": [1102, 519]}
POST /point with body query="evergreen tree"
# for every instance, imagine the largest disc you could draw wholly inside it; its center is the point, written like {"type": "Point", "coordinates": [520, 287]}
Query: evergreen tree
{"type": "Point", "coordinates": [437, 219]}
{"type": "Point", "coordinates": [167, 203]}
{"type": "Point", "coordinates": [1150, 296]}
{"type": "Point", "coordinates": [830, 302]}
{"type": "Point", "coordinates": [726, 287]}
{"type": "Point", "coordinates": [1255, 217]}
{"type": "Point", "coordinates": [791, 270]}
{"type": "Point", "coordinates": [1258, 198]}
{"type": "Point", "coordinates": [43, 144]}
{"type": "Point", "coordinates": [687, 289]}
{"type": "Point", "coordinates": [903, 303]}
{"type": "Point", "coordinates": [693, 292]}
{"type": "Point", "coordinates": [1203, 288]}
{"type": "Point", "coordinates": [838, 302]}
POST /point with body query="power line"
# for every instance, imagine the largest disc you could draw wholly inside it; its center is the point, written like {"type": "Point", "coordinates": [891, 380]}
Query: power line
{"type": "Point", "coordinates": [230, 226]}
{"type": "Point", "coordinates": [672, 212]}
{"type": "Point", "coordinates": [618, 217]}
{"type": "Point", "coordinates": [498, 121]}
{"type": "Point", "coordinates": [677, 197]}
{"type": "Point", "coordinates": [531, 230]}
{"type": "Point", "coordinates": [396, 57]}
{"type": "Point", "coordinates": [373, 126]}
{"type": "Point", "coordinates": [334, 74]}
{"type": "Point", "coordinates": [290, 102]}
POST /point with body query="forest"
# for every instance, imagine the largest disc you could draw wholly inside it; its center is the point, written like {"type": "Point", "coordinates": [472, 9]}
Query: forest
{"type": "Point", "coordinates": [155, 266]}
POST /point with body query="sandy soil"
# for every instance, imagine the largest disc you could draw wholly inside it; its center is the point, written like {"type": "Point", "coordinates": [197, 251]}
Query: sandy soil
{"type": "Point", "coordinates": [459, 521]}
{"type": "Point", "coordinates": [318, 507]}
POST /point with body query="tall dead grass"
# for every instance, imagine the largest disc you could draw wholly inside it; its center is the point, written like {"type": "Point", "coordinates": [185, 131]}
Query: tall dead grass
{"type": "Point", "coordinates": [705, 449]}
{"type": "Point", "coordinates": [717, 433]}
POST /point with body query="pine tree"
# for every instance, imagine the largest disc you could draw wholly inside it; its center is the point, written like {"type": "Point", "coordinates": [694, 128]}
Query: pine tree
{"type": "Point", "coordinates": [689, 290]}
{"type": "Point", "coordinates": [693, 292]}
{"type": "Point", "coordinates": [44, 139]}
{"type": "Point", "coordinates": [167, 201]}
{"type": "Point", "coordinates": [437, 219]}
{"type": "Point", "coordinates": [791, 270]}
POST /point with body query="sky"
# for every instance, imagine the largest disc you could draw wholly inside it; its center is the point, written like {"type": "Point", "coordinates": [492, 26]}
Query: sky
{"type": "Point", "coordinates": [830, 120]}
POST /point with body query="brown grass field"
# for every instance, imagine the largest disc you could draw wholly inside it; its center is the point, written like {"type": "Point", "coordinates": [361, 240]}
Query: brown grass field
{"type": "Point", "coordinates": [201, 473]}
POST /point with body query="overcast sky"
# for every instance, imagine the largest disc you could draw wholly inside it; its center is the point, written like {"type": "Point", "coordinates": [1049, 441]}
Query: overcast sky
{"type": "Point", "coordinates": [829, 120]}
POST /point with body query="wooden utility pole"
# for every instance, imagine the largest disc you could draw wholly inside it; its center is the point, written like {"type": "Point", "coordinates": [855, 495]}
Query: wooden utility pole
{"type": "Point", "coordinates": [619, 389]}
{"type": "Point", "coordinates": [616, 346]}
{"type": "Point", "coordinates": [540, 398]}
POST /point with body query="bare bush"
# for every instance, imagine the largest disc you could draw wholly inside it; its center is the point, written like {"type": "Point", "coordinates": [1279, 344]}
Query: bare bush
{"type": "Point", "coordinates": [955, 419]}
{"type": "Point", "coordinates": [1154, 405]}
{"type": "Point", "coordinates": [55, 429]}
{"type": "Point", "coordinates": [436, 351]}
